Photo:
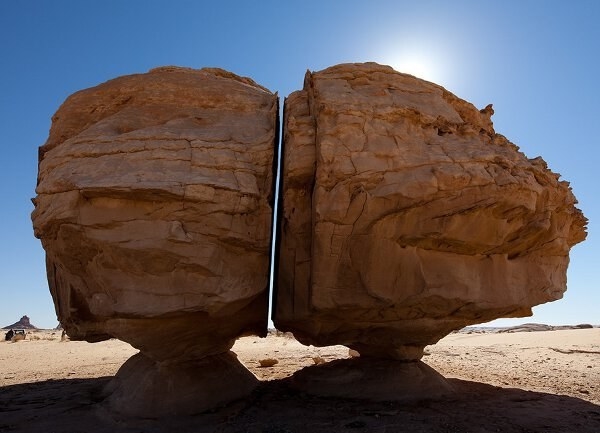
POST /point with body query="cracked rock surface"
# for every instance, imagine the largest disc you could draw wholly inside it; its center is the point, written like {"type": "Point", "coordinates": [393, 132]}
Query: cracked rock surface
{"type": "Point", "coordinates": [405, 216]}
{"type": "Point", "coordinates": [154, 206]}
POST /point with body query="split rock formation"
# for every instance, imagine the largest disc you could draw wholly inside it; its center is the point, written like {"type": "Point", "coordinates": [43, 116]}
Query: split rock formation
{"type": "Point", "coordinates": [403, 216]}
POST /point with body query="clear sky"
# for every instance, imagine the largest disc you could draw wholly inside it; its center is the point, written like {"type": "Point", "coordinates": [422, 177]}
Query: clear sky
{"type": "Point", "coordinates": [536, 61]}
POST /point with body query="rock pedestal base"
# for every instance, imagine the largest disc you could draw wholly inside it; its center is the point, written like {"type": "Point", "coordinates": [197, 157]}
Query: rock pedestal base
{"type": "Point", "coordinates": [373, 379]}
{"type": "Point", "coordinates": [147, 389]}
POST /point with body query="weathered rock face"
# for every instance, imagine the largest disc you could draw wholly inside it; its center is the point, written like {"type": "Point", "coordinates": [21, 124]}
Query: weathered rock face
{"type": "Point", "coordinates": [405, 216]}
{"type": "Point", "coordinates": [154, 207]}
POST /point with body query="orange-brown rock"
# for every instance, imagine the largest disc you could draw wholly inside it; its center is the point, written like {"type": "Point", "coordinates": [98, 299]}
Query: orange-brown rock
{"type": "Point", "coordinates": [406, 216]}
{"type": "Point", "coordinates": [154, 206]}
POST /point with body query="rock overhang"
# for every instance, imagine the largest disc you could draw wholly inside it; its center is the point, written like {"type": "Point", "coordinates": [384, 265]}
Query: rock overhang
{"type": "Point", "coordinates": [402, 215]}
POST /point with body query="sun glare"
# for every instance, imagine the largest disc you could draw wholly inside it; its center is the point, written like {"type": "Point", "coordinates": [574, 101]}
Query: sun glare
{"type": "Point", "coordinates": [417, 66]}
{"type": "Point", "coordinates": [423, 60]}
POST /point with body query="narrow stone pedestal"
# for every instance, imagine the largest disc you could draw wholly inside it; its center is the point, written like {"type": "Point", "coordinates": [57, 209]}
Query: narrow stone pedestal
{"type": "Point", "coordinates": [148, 389]}
{"type": "Point", "coordinates": [373, 379]}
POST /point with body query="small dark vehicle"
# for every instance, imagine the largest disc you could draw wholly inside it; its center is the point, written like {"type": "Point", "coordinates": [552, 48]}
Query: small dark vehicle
{"type": "Point", "coordinates": [15, 335]}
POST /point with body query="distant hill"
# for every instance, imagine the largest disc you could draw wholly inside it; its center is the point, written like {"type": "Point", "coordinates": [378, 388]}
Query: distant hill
{"type": "Point", "coordinates": [533, 327]}
{"type": "Point", "coordinates": [24, 323]}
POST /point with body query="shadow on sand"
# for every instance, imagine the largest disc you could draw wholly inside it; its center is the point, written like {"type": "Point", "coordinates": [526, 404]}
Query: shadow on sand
{"type": "Point", "coordinates": [76, 406]}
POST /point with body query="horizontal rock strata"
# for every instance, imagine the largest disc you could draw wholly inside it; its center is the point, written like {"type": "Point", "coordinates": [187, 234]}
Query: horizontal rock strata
{"type": "Point", "coordinates": [154, 205]}
{"type": "Point", "coordinates": [405, 215]}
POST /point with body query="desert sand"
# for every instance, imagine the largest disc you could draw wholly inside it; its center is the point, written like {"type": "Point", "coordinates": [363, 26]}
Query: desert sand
{"type": "Point", "coordinates": [505, 382]}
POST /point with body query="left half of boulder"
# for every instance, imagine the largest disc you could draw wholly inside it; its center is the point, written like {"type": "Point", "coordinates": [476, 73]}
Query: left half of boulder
{"type": "Point", "coordinates": [154, 206]}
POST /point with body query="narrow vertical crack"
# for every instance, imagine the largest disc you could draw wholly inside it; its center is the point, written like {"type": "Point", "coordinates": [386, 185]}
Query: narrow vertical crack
{"type": "Point", "coordinates": [276, 205]}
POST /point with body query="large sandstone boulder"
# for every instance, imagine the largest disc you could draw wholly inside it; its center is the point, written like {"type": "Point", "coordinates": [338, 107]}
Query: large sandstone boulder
{"type": "Point", "coordinates": [405, 216]}
{"type": "Point", "coordinates": [154, 206]}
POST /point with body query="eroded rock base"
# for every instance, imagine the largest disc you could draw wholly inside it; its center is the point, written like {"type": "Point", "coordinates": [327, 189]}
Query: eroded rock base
{"type": "Point", "coordinates": [373, 379]}
{"type": "Point", "coordinates": [147, 389]}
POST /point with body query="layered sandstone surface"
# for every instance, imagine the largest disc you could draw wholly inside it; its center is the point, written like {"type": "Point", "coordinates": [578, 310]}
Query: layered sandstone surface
{"type": "Point", "coordinates": [154, 205]}
{"type": "Point", "coordinates": [405, 216]}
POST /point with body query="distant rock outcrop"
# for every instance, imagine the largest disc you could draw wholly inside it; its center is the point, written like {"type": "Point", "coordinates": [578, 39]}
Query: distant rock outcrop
{"type": "Point", "coordinates": [23, 323]}
{"type": "Point", "coordinates": [536, 327]}
{"type": "Point", "coordinates": [154, 206]}
{"type": "Point", "coordinates": [406, 216]}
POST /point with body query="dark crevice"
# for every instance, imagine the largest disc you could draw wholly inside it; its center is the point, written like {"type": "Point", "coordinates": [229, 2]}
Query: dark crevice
{"type": "Point", "coordinates": [277, 211]}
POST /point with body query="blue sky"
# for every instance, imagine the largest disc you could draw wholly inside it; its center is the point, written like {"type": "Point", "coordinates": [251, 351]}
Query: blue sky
{"type": "Point", "coordinates": [536, 61]}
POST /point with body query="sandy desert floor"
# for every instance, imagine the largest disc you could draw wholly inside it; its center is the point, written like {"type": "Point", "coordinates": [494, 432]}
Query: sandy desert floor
{"type": "Point", "coordinates": [505, 382]}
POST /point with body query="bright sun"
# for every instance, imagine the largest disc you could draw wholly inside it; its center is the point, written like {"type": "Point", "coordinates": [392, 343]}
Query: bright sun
{"type": "Point", "coordinates": [415, 67]}
{"type": "Point", "coordinates": [422, 60]}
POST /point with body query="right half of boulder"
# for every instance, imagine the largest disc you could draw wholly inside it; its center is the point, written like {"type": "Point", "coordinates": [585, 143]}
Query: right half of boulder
{"type": "Point", "coordinates": [404, 215]}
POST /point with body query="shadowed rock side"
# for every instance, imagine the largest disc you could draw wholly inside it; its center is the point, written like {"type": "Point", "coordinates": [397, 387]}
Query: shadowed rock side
{"type": "Point", "coordinates": [182, 388]}
{"type": "Point", "coordinates": [154, 207]}
{"type": "Point", "coordinates": [404, 216]}
{"type": "Point", "coordinates": [374, 379]}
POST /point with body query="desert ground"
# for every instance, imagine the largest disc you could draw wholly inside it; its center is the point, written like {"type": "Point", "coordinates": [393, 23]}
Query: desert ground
{"type": "Point", "coordinates": [545, 381]}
